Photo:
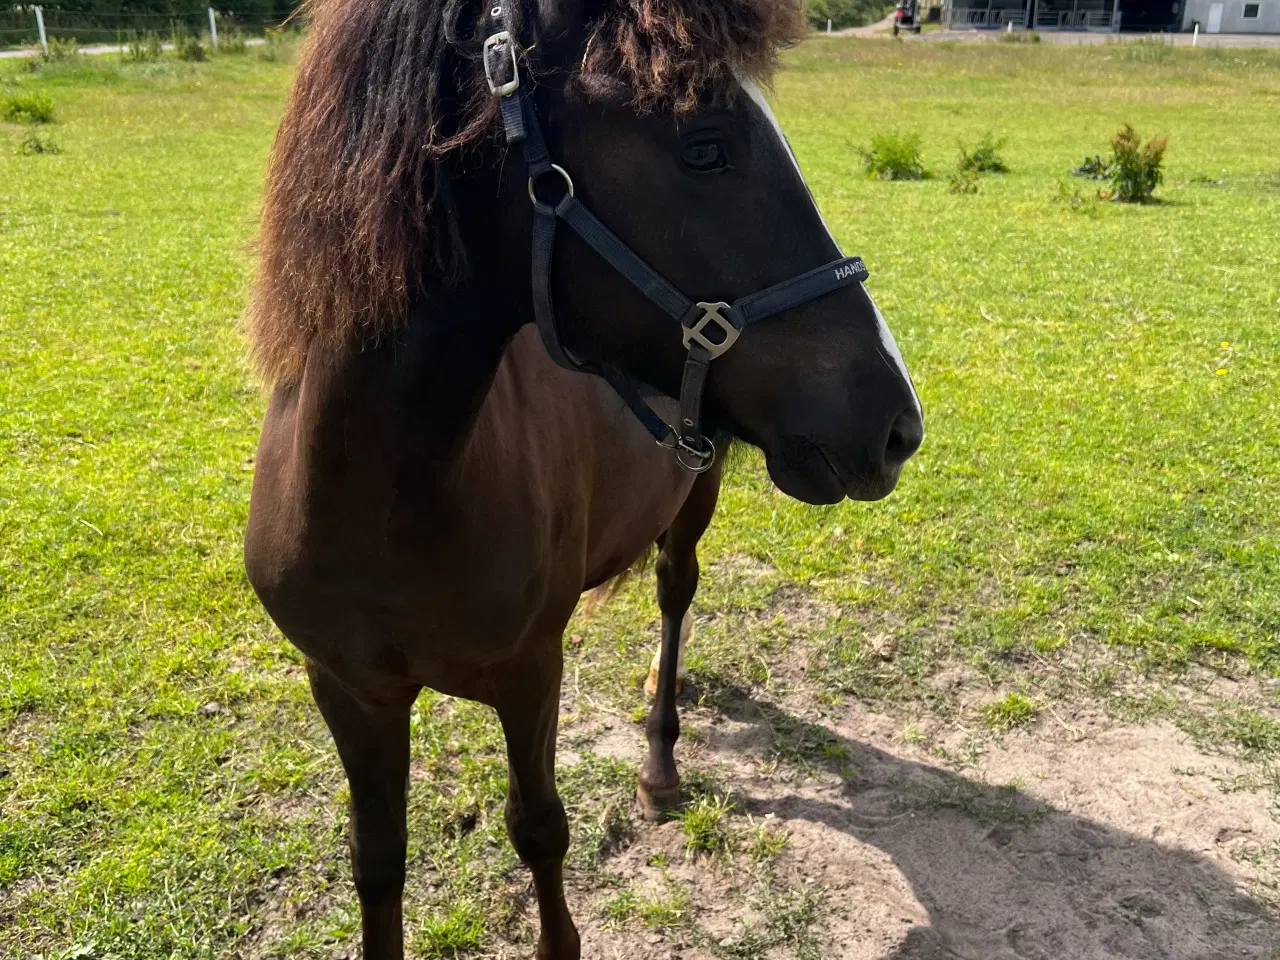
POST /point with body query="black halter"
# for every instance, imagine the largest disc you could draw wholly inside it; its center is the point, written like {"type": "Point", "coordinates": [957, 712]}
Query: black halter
{"type": "Point", "coordinates": [708, 329]}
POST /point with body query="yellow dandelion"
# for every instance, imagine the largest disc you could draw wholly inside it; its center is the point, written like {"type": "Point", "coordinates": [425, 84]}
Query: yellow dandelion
{"type": "Point", "coordinates": [1222, 372]}
{"type": "Point", "coordinates": [1225, 345]}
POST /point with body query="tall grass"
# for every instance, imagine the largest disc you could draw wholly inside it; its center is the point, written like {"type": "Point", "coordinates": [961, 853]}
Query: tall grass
{"type": "Point", "coordinates": [27, 106]}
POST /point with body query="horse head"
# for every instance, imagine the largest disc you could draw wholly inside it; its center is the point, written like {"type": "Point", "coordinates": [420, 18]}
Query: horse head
{"type": "Point", "coordinates": [674, 147]}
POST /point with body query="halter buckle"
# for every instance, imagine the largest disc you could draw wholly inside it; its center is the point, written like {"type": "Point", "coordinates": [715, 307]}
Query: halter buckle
{"type": "Point", "coordinates": [711, 312]}
{"type": "Point", "coordinates": [495, 58]}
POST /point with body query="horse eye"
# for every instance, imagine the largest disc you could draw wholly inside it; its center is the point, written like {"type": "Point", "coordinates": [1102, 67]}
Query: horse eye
{"type": "Point", "coordinates": [705, 156]}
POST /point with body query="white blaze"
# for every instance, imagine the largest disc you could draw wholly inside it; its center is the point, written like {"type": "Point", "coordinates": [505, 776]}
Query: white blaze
{"type": "Point", "coordinates": [892, 354]}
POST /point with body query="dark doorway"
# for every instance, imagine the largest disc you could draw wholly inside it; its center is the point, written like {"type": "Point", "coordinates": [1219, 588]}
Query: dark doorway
{"type": "Point", "coordinates": [1148, 15]}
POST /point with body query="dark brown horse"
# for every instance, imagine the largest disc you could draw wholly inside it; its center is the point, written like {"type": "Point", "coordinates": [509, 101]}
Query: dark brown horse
{"type": "Point", "coordinates": [433, 494]}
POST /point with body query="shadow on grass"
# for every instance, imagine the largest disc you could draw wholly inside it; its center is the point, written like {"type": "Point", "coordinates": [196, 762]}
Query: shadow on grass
{"type": "Point", "coordinates": [1003, 875]}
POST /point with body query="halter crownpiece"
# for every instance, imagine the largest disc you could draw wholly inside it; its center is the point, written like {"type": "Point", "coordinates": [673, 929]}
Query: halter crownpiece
{"type": "Point", "coordinates": [708, 330]}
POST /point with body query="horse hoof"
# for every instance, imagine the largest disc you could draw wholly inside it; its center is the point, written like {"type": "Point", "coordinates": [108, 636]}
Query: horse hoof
{"type": "Point", "coordinates": [656, 805]}
{"type": "Point", "coordinates": [651, 684]}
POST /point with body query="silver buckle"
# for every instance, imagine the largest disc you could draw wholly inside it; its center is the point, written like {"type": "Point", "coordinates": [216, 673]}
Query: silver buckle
{"type": "Point", "coordinates": [711, 312]}
{"type": "Point", "coordinates": [512, 85]}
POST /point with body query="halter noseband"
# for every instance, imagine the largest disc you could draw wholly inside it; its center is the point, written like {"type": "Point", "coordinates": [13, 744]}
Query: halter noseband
{"type": "Point", "coordinates": [708, 329]}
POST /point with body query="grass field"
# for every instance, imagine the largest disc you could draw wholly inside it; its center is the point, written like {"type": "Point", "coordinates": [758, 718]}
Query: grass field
{"type": "Point", "coordinates": [1094, 518]}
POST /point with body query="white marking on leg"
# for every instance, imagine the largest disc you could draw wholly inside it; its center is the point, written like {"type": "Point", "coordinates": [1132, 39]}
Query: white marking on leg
{"type": "Point", "coordinates": [886, 337]}
{"type": "Point", "coordinates": [686, 632]}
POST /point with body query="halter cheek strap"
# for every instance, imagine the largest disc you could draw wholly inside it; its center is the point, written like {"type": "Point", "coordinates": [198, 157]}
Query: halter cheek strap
{"type": "Point", "coordinates": [708, 330]}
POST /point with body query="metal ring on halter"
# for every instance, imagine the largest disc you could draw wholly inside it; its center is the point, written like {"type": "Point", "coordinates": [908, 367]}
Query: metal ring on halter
{"type": "Point", "coordinates": [564, 175]}
{"type": "Point", "coordinates": [705, 457]}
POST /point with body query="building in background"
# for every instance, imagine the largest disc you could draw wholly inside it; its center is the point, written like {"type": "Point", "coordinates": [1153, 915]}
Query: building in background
{"type": "Point", "coordinates": [1146, 16]}
{"type": "Point", "coordinates": [1233, 16]}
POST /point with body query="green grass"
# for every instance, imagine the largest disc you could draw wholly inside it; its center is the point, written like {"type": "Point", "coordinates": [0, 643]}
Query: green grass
{"type": "Point", "coordinates": [1011, 710]}
{"type": "Point", "coordinates": [27, 106]}
{"type": "Point", "coordinates": [459, 930]}
{"type": "Point", "coordinates": [984, 157]}
{"type": "Point", "coordinates": [785, 920]}
{"type": "Point", "coordinates": [705, 825]}
{"type": "Point", "coordinates": [34, 144]}
{"type": "Point", "coordinates": [673, 909]}
{"type": "Point", "coordinates": [894, 156]}
{"type": "Point", "coordinates": [1096, 498]}
{"type": "Point", "coordinates": [766, 843]}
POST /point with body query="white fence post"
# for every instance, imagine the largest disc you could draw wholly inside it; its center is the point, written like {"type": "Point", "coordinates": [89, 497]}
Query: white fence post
{"type": "Point", "coordinates": [213, 29]}
{"type": "Point", "coordinates": [828, 26]}
{"type": "Point", "coordinates": [44, 41]}
{"type": "Point", "coordinates": [1195, 35]}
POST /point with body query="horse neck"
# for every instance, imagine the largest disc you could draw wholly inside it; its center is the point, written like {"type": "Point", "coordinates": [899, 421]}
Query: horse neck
{"type": "Point", "coordinates": [448, 357]}
{"type": "Point", "coordinates": [430, 377]}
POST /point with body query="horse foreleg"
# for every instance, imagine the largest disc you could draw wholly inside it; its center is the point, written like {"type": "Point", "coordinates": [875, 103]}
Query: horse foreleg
{"type": "Point", "coordinates": [373, 744]}
{"type": "Point", "coordinates": [528, 704]}
{"type": "Point", "coordinates": [677, 570]}
{"type": "Point", "coordinates": [686, 634]}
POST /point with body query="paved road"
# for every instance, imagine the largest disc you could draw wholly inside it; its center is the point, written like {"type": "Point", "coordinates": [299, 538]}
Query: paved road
{"type": "Point", "coordinates": [870, 30]}
{"type": "Point", "coordinates": [95, 48]}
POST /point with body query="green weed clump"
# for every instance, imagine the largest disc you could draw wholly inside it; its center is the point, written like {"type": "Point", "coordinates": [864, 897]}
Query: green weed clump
{"type": "Point", "coordinates": [274, 48]}
{"type": "Point", "coordinates": [766, 844]}
{"type": "Point", "coordinates": [1135, 166]}
{"type": "Point", "coordinates": [984, 157]}
{"type": "Point", "coordinates": [664, 913]}
{"type": "Point", "coordinates": [27, 106]}
{"type": "Point", "coordinates": [1093, 168]}
{"type": "Point", "coordinates": [963, 182]}
{"type": "Point", "coordinates": [144, 49]}
{"type": "Point", "coordinates": [1147, 50]}
{"type": "Point", "coordinates": [186, 45]}
{"type": "Point", "coordinates": [894, 156]}
{"type": "Point", "coordinates": [1235, 729]}
{"type": "Point", "coordinates": [231, 41]}
{"type": "Point", "coordinates": [705, 826]}
{"type": "Point", "coordinates": [34, 145]}
{"type": "Point", "coordinates": [63, 48]}
{"type": "Point", "coordinates": [60, 50]}
{"type": "Point", "coordinates": [459, 931]}
{"type": "Point", "coordinates": [1011, 710]}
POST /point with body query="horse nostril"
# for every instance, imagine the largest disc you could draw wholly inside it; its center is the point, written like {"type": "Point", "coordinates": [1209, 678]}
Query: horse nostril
{"type": "Point", "coordinates": [905, 436]}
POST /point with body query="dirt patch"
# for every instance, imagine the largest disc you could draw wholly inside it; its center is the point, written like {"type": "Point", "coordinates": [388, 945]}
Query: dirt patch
{"type": "Point", "coordinates": [1087, 842]}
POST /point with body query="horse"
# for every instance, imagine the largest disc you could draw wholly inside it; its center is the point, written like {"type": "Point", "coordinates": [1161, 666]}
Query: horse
{"type": "Point", "coordinates": [456, 446]}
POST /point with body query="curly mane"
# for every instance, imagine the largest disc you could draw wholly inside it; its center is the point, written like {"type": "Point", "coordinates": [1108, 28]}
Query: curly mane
{"type": "Point", "coordinates": [357, 217]}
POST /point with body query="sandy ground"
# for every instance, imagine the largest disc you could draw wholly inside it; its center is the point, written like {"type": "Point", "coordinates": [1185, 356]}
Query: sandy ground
{"type": "Point", "coordinates": [1081, 840]}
